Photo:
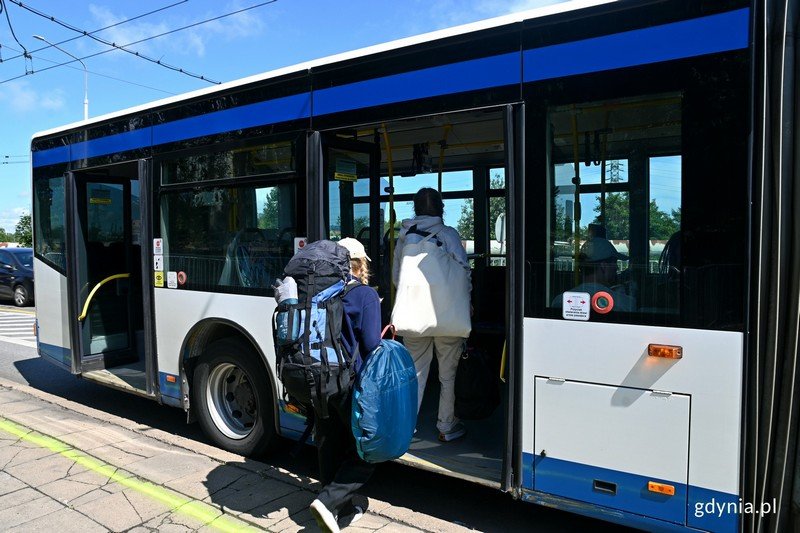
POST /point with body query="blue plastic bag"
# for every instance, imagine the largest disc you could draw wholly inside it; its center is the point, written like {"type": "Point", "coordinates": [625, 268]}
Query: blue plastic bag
{"type": "Point", "coordinates": [385, 403]}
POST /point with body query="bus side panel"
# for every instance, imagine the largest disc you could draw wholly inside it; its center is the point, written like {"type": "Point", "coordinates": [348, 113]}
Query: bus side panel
{"type": "Point", "coordinates": [52, 319]}
{"type": "Point", "coordinates": [614, 356]}
{"type": "Point", "coordinates": [178, 311]}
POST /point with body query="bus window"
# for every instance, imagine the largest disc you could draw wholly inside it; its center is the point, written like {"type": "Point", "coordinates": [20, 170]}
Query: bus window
{"type": "Point", "coordinates": [229, 239]}
{"type": "Point", "coordinates": [49, 229]}
{"type": "Point", "coordinates": [615, 182]}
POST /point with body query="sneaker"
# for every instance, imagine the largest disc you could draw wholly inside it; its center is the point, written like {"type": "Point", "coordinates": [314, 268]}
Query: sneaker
{"type": "Point", "coordinates": [326, 520]}
{"type": "Point", "coordinates": [456, 432]}
{"type": "Point", "coordinates": [355, 514]}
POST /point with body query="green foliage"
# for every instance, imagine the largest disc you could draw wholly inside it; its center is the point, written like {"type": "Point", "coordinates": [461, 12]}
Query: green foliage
{"type": "Point", "coordinates": [497, 206]}
{"type": "Point", "coordinates": [24, 231]}
{"type": "Point", "coordinates": [6, 237]}
{"type": "Point", "coordinates": [268, 218]}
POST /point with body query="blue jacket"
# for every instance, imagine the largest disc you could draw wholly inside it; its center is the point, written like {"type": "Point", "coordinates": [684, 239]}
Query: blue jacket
{"type": "Point", "coordinates": [362, 329]}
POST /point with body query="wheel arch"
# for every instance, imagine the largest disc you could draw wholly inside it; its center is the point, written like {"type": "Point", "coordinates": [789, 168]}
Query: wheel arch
{"type": "Point", "coordinates": [213, 329]}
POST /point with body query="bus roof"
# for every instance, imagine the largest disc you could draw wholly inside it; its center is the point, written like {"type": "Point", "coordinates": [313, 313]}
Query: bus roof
{"type": "Point", "coordinates": [463, 29]}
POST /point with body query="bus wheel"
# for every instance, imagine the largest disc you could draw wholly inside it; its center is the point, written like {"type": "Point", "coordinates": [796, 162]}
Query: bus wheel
{"type": "Point", "coordinates": [232, 399]}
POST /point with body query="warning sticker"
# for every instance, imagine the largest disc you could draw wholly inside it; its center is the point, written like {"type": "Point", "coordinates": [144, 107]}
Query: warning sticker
{"type": "Point", "coordinates": [158, 279]}
{"type": "Point", "coordinates": [346, 170]}
{"type": "Point", "coordinates": [576, 305]}
{"type": "Point", "coordinates": [172, 280]}
{"type": "Point", "coordinates": [158, 263]}
{"type": "Point", "coordinates": [158, 246]}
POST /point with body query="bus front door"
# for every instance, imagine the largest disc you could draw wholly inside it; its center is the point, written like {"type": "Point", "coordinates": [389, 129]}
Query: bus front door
{"type": "Point", "coordinates": [102, 271]}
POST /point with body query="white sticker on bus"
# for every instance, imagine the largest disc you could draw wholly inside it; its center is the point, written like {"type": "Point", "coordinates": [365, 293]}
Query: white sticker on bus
{"type": "Point", "coordinates": [576, 305]}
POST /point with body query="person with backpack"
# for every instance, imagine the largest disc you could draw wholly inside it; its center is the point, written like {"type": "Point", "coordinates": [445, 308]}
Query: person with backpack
{"type": "Point", "coordinates": [342, 471]}
{"type": "Point", "coordinates": [432, 309]}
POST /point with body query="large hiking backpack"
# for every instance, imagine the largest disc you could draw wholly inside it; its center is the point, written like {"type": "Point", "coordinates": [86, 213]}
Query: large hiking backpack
{"type": "Point", "coordinates": [312, 361]}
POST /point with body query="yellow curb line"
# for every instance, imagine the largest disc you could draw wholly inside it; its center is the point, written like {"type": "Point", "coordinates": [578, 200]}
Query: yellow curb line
{"type": "Point", "coordinates": [203, 512]}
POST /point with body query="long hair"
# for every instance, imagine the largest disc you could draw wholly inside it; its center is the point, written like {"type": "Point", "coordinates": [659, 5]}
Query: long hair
{"type": "Point", "coordinates": [360, 269]}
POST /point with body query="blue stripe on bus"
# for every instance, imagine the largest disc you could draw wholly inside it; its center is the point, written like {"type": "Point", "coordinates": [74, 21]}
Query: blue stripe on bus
{"type": "Point", "coordinates": [575, 481]}
{"type": "Point", "coordinates": [706, 35]}
{"type": "Point", "coordinates": [57, 353]}
{"type": "Point", "coordinates": [51, 156]}
{"type": "Point", "coordinates": [475, 74]}
{"type": "Point", "coordinates": [293, 107]}
{"type": "Point", "coordinates": [689, 38]}
{"type": "Point", "coordinates": [172, 390]}
{"type": "Point", "coordinates": [120, 142]}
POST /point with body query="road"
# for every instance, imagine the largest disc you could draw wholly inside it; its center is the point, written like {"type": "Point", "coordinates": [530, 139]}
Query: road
{"type": "Point", "coordinates": [453, 500]}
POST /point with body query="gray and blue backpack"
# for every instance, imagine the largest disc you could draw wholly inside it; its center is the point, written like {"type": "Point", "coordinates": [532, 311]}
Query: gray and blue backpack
{"type": "Point", "coordinates": [312, 361]}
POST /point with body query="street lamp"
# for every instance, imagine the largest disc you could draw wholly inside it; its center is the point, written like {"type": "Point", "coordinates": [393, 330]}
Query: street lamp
{"type": "Point", "coordinates": [85, 76]}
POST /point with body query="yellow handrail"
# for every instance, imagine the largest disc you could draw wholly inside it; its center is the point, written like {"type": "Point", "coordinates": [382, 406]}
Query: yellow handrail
{"type": "Point", "coordinates": [96, 287]}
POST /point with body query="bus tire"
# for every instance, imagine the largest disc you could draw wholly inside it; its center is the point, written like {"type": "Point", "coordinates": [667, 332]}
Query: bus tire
{"type": "Point", "coordinates": [232, 398]}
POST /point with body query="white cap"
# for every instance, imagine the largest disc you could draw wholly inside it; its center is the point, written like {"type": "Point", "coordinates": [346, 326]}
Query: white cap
{"type": "Point", "coordinates": [355, 248]}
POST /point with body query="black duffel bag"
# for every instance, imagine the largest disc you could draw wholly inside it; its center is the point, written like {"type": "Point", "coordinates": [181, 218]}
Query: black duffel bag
{"type": "Point", "coordinates": [477, 387]}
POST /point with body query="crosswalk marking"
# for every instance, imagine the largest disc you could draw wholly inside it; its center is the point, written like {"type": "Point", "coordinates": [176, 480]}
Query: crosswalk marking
{"type": "Point", "coordinates": [17, 328]}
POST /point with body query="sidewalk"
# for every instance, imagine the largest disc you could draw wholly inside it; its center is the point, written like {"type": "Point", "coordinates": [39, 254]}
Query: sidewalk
{"type": "Point", "coordinates": [66, 467]}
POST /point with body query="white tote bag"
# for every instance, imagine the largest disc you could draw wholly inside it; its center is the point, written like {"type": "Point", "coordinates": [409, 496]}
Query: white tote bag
{"type": "Point", "coordinates": [433, 289]}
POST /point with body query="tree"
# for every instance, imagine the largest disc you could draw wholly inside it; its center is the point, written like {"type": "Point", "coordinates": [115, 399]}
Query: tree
{"type": "Point", "coordinates": [5, 237]}
{"type": "Point", "coordinates": [497, 206]}
{"type": "Point", "coordinates": [24, 229]}
{"type": "Point", "coordinates": [268, 218]}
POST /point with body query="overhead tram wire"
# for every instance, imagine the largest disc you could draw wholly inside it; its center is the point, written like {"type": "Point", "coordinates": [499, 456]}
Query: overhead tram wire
{"type": "Point", "coordinates": [124, 47]}
{"type": "Point", "coordinates": [93, 73]}
{"type": "Point", "coordinates": [25, 53]}
{"type": "Point", "coordinates": [98, 30]}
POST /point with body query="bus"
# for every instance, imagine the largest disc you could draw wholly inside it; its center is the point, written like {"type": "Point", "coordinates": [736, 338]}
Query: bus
{"type": "Point", "coordinates": [660, 128]}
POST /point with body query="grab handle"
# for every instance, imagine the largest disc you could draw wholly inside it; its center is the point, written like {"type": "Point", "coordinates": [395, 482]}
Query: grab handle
{"type": "Point", "coordinates": [94, 290]}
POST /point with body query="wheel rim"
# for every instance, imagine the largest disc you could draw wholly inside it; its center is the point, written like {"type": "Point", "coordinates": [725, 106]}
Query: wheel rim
{"type": "Point", "coordinates": [231, 401]}
{"type": "Point", "coordinates": [19, 296]}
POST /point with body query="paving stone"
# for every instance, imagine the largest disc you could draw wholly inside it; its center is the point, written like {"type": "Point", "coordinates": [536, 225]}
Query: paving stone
{"type": "Point", "coordinates": [67, 491]}
{"type": "Point", "coordinates": [42, 471]}
{"type": "Point", "coordinates": [250, 492]}
{"type": "Point", "coordinates": [31, 509]}
{"type": "Point", "coordinates": [93, 494]}
{"type": "Point", "coordinates": [288, 507]}
{"type": "Point", "coordinates": [94, 437]}
{"type": "Point", "coordinates": [18, 497]}
{"type": "Point", "coordinates": [144, 447]}
{"type": "Point", "coordinates": [17, 407]}
{"type": "Point", "coordinates": [201, 484]}
{"type": "Point", "coordinates": [171, 465]}
{"type": "Point", "coordinates": [62, 521]}
{"type": "Point", "coordinates": [145, 506]}
{"type": "Point", "coordinates": [111, 454]}
{"type": "Point", "coordinates": [113, 511]}
{"type": "Point", "coordinates": [20, 454]}
{"type": "Point", "coordinates": [9, 396]}
{"type": "Point", "coordinates": [370, 522]}
{"type": "Point", "coordinates": [395, 527]}
{"type": "Point", "coordinates": [299, 522]}
{"type": "Point", "coordinates": [9, 483]}
{"type": "Point", "coordinates": [54, 421]}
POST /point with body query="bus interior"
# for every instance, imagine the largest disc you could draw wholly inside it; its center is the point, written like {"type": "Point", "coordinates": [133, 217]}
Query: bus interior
{"type": "Point", "coordinates": [372, 173]}
{"type": "Point", "coordinates": [107, 290]}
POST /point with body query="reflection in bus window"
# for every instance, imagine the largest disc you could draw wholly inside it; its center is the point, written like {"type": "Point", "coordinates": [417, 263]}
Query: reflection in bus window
{"type": "Point", "coordinates": [49, 229]}
{"type": "Point", "coordinates": [615, 182]}
{"type": "Point", "coordinates": [229, 239]}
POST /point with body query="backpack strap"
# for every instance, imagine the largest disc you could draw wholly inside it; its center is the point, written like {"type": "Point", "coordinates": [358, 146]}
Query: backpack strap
{"type": "Point", "coordinates": [426, 234]}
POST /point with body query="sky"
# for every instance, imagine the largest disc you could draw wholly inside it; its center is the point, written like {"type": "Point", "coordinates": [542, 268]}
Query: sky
{"type": "Point", "coordinates": [281, 33]}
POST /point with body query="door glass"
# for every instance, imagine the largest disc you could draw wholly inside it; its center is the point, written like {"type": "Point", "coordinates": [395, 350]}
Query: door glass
{"type": "Point", "coordinates": [105, 327]}
{"type": "Point", "coordinates": [348, 178]}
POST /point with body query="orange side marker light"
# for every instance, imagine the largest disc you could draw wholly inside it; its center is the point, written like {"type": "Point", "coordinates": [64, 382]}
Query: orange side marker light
{"type": "Point", "coordinates": [171, 378]}
{"type": "Point", "coordinates": [665, 351]}
{"type": "Point", "coordinates": [661, 488]}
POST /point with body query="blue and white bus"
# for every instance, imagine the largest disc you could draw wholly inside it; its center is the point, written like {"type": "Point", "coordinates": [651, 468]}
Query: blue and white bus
{"type": "Point", "coordinates": [661, 127]}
